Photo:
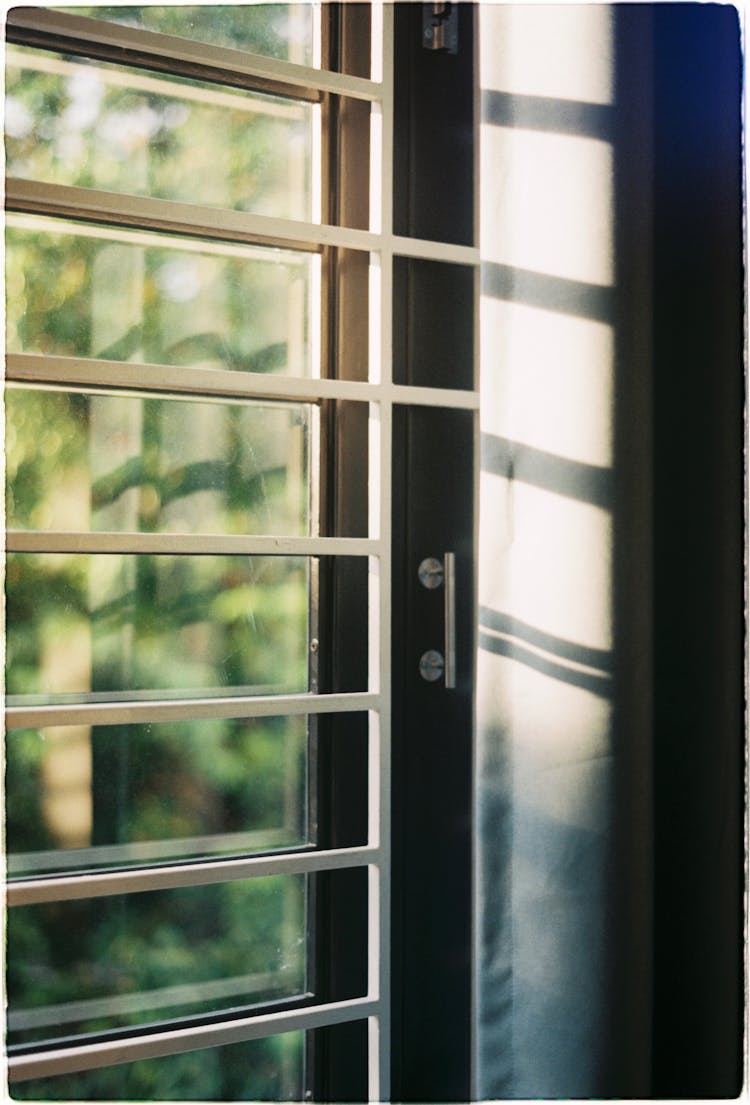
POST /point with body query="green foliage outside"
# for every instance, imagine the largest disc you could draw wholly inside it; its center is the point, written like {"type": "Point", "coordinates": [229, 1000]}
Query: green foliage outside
{"type": "Point", "coordinates": [261, 1070]}
{"type": "Point", "coordinates": [94, 125]}
{"type": "Point", "coordinates": [282, 31]}
{"type": "Point", "coordinates": [165, 782]}
{"type": "Point", "coordinates": [74, 293]}
{"type": "Point", "coordinates": [143, 946]}
{"type": "Point", "coordinates": [103, 625]}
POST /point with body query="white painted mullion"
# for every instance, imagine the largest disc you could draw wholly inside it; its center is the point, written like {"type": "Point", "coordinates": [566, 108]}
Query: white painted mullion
{"type": "Point", "coordinates": [69, 201]}
{"type": "Point", "coordinates": [30, 368]}
{"type": "Point", "coordinates": [317, 33]}
{"type": "Point", "coordinates": [416, 396]}
{"type": "Point", "coordinates": [176, 216]}
{"type": "Point", "coordinates": [219, 62]}
{"type": "Point", "coordinates": [425, 249]}
{"type": "Point", "coordinates": [184, 544]}
{"type": "Point", "coordinates": [136, 880]}
{"type": "Point", "coordinates": [139, 711]}
{"type": "Point", "coordinates": [180, 379]}
{"type": "Point", "coordinates": [381, 372]}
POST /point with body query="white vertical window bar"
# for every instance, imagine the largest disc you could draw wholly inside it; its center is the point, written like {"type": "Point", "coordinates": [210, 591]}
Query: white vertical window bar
{"type": "Point", "coordinates": [317, 43]}
{"type": "Point", "coordinates": [381, 222]}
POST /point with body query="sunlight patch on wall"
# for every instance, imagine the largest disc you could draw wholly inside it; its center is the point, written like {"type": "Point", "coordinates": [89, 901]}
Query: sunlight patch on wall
{"type": "Point", "coordinates": [550, 208]}
{"type": "Point", "coordinates": [560, 726]}
{"type": "Point", "coordinates": [561, 566]}
{"type": "Point", "coordinates": [560, 51]}
{"type": "Point", "coordinates": [547, 380]}
{"type": "Point", "coordinates": [545, 627]}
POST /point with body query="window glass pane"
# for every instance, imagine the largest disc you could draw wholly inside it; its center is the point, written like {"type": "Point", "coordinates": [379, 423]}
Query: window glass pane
{"type": "Point", "coordinates": [81, 461]}
{"type": "Point", "coordinates": [95, 125]}
{"type": "Point", "coordinates": [89, 291]}
{"type": "Point", "coordinates": [258, 1070]}
{"type": "Point", "coordinates": [283, 31]}
{"type": "Point", "coordinates": [103, 796]}
{"type": "Point", "coordinates": [103, 963]}
{"type": "Point", "coordinates": [92, 627]}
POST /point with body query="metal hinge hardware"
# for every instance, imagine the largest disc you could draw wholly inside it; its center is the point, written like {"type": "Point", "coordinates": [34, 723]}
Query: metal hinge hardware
{"type": "Point", "coordinates": [440, 26]}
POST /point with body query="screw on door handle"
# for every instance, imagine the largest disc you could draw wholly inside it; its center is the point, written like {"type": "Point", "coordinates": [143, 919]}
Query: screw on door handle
{"type": "Point", "coordinates": [433, 574]}
{"type": "Point", "coordinates": [431, 665]}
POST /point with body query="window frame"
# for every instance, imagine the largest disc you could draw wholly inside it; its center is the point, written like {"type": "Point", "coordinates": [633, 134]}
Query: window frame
{"type": "Point", "coordinates": [377, 240]}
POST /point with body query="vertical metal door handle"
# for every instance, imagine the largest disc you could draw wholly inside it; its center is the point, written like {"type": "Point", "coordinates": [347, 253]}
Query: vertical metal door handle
{"type": "Point", "coordinates": [432, 574]}
{"type": "Point", "coordinates": [449, 569]}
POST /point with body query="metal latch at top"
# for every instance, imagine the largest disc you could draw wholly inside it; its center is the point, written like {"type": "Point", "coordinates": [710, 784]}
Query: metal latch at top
{"type": "Point", "coordinates": [440, 26]}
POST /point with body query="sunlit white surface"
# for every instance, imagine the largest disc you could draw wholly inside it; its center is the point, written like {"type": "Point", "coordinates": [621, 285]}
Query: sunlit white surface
{"type": "Point", "coordinates": [561, 51]}
{"type": "Point", "coordinates": [547, 206]}
{"type": "Point", "coordinates": [561, 725]}
{"type": "Point", "coordinates": [495, 541]}
{"type": "Point", "coordinates": [545, 660]}
{"type": "Point", "coordinates": [547, 380]}
{"type": "Point", "coordinates": [561, 566]}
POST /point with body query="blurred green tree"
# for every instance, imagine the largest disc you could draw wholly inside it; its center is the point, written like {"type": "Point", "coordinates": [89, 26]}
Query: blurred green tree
{"type": "Point", "coordinates": [190, 625]}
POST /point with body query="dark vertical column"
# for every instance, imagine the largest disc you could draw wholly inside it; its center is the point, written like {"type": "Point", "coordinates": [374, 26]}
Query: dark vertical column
{"type": "Point", "coordinates": [432, 763]}
{"type": "Point", "coordinates": [433, 492]}
{"type": "Point", "coordinates": [433, 137]}
{"type": "Point", "coordinates": [626, 1057]}
{"type": "Point", "coordinates": [698, 550]}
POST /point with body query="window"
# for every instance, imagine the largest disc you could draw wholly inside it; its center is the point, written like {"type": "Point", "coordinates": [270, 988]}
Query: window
{"type": "Point", "coordinates": [210, 558]}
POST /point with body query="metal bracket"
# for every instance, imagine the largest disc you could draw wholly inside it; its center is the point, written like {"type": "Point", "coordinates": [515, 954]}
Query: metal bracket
{"type": "Point", "coordinates": [440, 26]}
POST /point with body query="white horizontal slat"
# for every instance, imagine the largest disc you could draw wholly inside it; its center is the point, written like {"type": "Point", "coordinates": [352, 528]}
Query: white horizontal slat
{"type": "Point", "coordinates": [434, 251]}
{"type": "Point", "coordinates": [218, 62]}
{"type": "Point", "coordinates": [186, 544]}
{"type": "Point", "coordinates": [159, 1044]}
{"type": "Point", "coordinates": [183, 380]}
{"type": "Point", "coordinates": [454, 399]}
{"type": "Point", "coordinates": [138, 711]}
{"type": "Point", "coordinates": [38, 368]}
{"type": "Point", "coordinates": [146, 212]}
{"type": "Point", "coordinates": [67, 888]}
{"type": "Point", "coordinates": [70, 201]}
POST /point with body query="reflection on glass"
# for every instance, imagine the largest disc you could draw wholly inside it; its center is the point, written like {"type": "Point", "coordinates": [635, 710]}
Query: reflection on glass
{"type": "Point", "coordinates": [258, 1070]}
{"type": "Point", "coordinates": [95, 627]}
{"type": "Point", "coordinates": [283, 31]}
{"type": "Point", "coordinates": [82, 796]}
{"type": "Point", "coordinates": [102, 963]}
{"type": "Point", "coordinates": [83, 461]}
{"type": "Point", "coordinates": [95, 125]}
{"type": "Point", "coordinates": [88, 291]}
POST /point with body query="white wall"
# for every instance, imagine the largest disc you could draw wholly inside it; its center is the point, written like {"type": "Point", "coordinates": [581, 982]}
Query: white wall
{"type": "Point", "coordinates": [545, 664]}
